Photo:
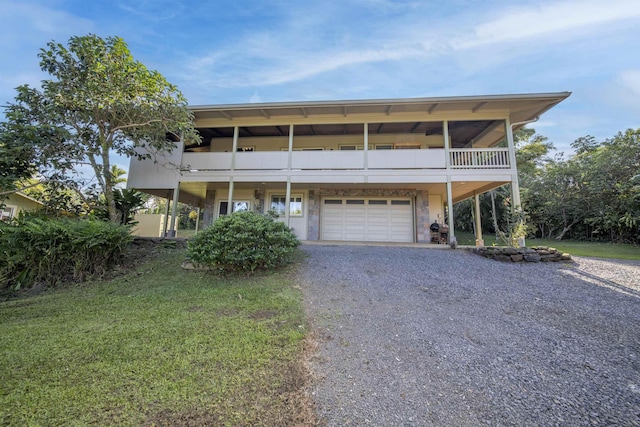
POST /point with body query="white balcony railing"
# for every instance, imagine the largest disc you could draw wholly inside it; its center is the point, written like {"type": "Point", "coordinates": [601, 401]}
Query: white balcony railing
{"type": "Point", "coordinates": [407, 159]}
{"type": "Point", "coordinates": [479, 158]}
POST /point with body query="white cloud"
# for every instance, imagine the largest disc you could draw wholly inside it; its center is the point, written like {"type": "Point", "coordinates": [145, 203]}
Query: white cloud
{"type": "Point", "coordinates": [550, 21]}
{"type": "Point", "coordinates": [630, 81]}
{"type": "Point", "coordinates": [153, 10]}
{"type": "Point", "coordinates": [255, 98]}
{"type": "Point", "coordinates": [27, 27]}
{"type": "Point", "coordinates": [292, 52]}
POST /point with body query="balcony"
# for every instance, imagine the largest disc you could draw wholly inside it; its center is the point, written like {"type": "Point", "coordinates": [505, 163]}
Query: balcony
{"type": "Point", "coordinates": [434, 159]}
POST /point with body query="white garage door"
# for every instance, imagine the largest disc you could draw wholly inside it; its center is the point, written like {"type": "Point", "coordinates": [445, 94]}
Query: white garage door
{"type": "Point", "coordinates": [367, 220]}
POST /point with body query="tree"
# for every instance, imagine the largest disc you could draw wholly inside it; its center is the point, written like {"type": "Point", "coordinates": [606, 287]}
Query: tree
{"type": "Point", "coordinates": [100, 102]}
{"type": "Point", "coordinates": [118, 175]}
{"type": "Point", "coordinates": [609, 170]}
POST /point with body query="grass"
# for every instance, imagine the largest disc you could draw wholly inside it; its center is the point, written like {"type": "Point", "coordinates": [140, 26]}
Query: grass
{"type": "Point", "coordinates": [573, 247]}
{"type": "Point", "coordinates": [157, 346]}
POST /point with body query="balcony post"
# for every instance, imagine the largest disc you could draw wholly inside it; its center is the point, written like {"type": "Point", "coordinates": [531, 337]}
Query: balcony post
{"type": "Point", "coordinates": [445, 135]}
{"type": "Point", "coordinates": [290, 159]}
{"type": "Point", "coordinates": [287, 202]}
{"type": "Point", "coordinates": [236, 131]}
{"type": "Point", "coordinates": [366, 146]}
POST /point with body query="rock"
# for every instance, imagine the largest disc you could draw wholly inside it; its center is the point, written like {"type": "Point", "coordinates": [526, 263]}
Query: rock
{"type": "Point", "coordinates": [188, 265]}
{"type": "Point", "coordinates": [532, 257]}
{"type": "Point", "coordinates": [517, 258]}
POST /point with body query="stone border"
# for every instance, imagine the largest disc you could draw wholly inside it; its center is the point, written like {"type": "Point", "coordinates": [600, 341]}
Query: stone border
{"type": "Point", "coordinates": [532, 254]}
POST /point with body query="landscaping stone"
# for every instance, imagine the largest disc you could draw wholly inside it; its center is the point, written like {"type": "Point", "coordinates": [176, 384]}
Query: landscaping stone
{"type": "Point", "coordinates": [532, 254]}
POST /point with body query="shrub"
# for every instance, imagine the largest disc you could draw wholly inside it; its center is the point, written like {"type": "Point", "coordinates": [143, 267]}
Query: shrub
{"type": "Point", "coordinates": [38, 250]}
{"type": "Point", "coordinates": [243, 242]}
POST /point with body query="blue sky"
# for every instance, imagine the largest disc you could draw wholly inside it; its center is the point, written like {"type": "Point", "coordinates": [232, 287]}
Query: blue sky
{"type": "Point", "coordinates": [221, 52]}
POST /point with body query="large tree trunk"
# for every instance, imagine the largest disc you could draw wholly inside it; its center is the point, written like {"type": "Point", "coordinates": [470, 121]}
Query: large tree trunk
{"type": "Point", "coordinates": [108, 186]}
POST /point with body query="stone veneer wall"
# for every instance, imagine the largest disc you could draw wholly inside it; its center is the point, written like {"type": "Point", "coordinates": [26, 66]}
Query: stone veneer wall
{"type": "Point", "coordinates": [313, 231]}
{"type": "Point", "coordinates": [420, 197]}
{"type": "Point", "coordinates": [208, 209]}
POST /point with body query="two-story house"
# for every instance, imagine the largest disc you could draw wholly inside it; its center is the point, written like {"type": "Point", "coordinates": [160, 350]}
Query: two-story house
{"type": "Point", "coordinates": [366, 170]}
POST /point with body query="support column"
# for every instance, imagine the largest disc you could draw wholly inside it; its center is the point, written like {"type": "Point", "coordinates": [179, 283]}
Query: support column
{"type": "Point", "coordinates": [236, 131]}
{"type": "Point", "coordinates": [166, 215]}
{"type": "Point", "coordinates": [516, 204]}
{"type": "Point", "coordinates": [479, 239]}
{"type": "Point", "coordinates": [287, 203]}
{"type": "Point", "coordinates": [230, 198]}
{"type": "Point", "coordinates": [174, 212]}
{"type": "Point", "coordinates": [515, 184]}
{"type": "Point", "coordinates": [452, 236]}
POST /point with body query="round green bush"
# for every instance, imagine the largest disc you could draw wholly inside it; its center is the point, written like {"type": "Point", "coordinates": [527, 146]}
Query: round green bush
{"type": "Point", "coordinates": [243, 242]}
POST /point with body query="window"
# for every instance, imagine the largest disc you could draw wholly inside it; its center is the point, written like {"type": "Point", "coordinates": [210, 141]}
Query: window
{"type": "Point", "coordinates": [246, 149]}
{"type": "Point", "coordinates": [6, 213]}
{"type": "Point", "coordinates": [351, 147]}
{"type": "Point", "coordinates": [278, 204]}
{"type": "Point", "coordinates": [384, 146]}
{"type": "Point", "coordinates": [238, 206]}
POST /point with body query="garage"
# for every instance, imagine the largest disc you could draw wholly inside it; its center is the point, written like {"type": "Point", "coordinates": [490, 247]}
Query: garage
{"type": "Point", "coordinates": [367, 219]}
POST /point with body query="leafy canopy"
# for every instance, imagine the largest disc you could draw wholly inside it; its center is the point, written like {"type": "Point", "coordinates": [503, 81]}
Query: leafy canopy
{"type": "Point", "coordinates": [100, 101]}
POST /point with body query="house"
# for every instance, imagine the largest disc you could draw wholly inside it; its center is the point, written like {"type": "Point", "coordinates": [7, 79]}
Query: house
{"type": "Point", "coordinates": [366, 170]}
{"type": "Point", "coordinates": [16, 203]}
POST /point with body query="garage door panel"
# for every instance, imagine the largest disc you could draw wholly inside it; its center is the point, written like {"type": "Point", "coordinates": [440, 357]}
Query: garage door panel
{"type": "Point", "coordinates": [355, 219]}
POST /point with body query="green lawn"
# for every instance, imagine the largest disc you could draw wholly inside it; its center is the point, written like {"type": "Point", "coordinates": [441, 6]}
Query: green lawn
{"type": "Point", "coordinates": [573, 247]}
{"type": "Point", "coordinates": [159, 345]}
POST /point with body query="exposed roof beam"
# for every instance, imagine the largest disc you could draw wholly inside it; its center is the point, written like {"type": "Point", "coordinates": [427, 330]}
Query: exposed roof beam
{"type": "Point", "coordinates": [379, 127]}
{"type": "Point", "coordinates": [389, 108]}
{"type": "Point", "coordinates": [225, 115]}
{"type": "Point", "coordinates": [265, 114]}
{"type": "Point", "coordinates": [413, 129]}
{"type": "Point", "coordinates": [279, 129]}
{"type": "Point", "coordinates": [478, 107]}
{"type": "Point", "coordinates": [344, 111]}
{"type": "Point", "coordinates": [304, 112]}
{"type": "Point", "coordinates": [247, 131]}
{"type": "Point", "coordinates": [433, 108]}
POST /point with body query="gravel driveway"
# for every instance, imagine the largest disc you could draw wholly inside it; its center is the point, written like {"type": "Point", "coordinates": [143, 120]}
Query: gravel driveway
{"type": "Point", "coordinates": [432, 337]}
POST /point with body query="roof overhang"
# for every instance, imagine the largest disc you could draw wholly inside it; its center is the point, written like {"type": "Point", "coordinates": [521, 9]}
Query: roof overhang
{"type": "Point", "coordinates": [519, 107]}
